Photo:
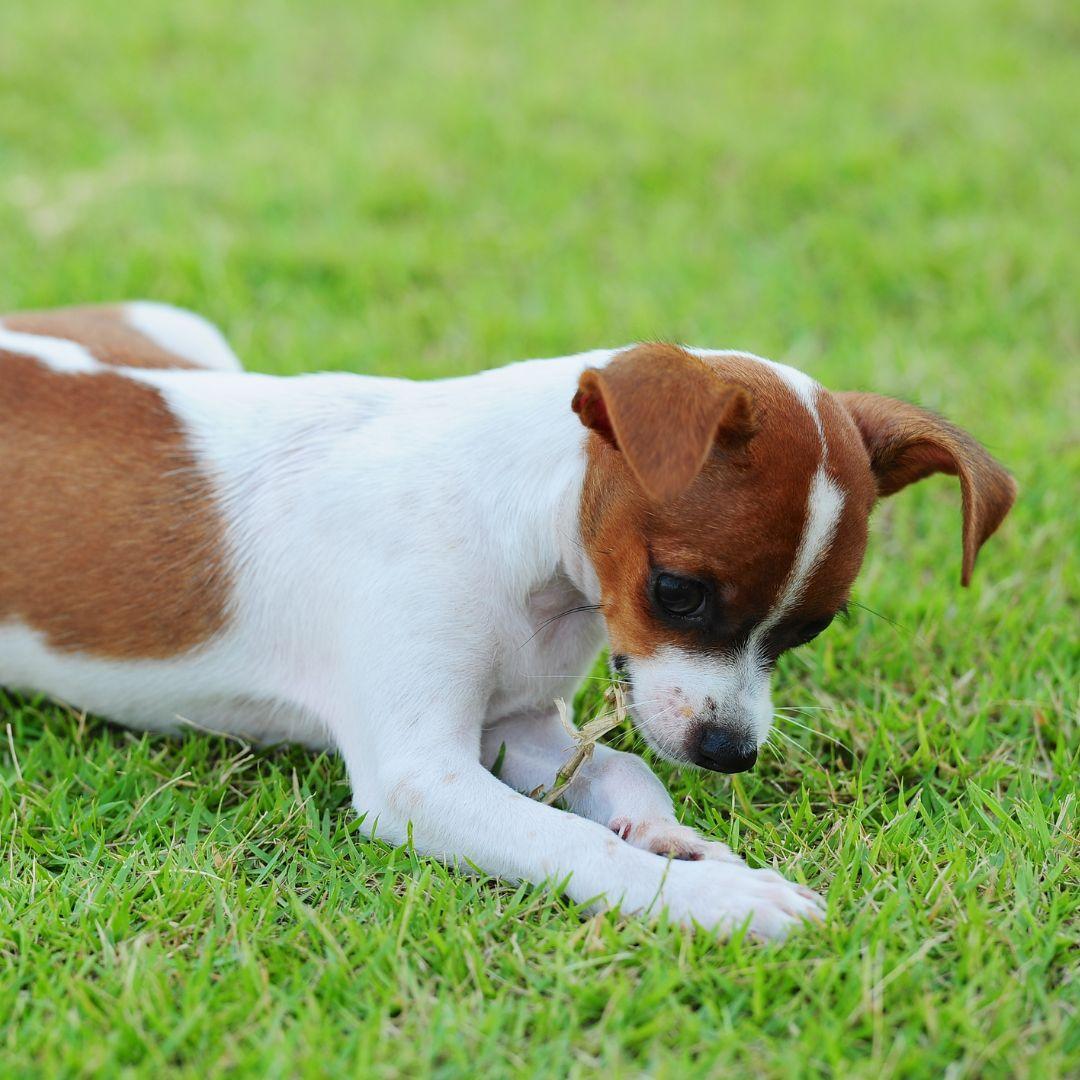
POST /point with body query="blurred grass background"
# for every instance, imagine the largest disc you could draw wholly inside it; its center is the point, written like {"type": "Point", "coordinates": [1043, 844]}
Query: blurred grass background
{"type": "Point", "coordinates": [883, 194]}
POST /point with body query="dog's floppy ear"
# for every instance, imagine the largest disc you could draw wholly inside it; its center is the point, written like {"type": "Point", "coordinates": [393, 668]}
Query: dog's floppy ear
{"type": "Point", "coordinates": [665, 410]}
{"type": "Point", "coordinates": [906, 443]}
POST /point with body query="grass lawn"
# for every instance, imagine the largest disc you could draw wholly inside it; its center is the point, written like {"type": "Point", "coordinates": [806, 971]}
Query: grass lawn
{"type": "Point", "coordinates": [883, 194]}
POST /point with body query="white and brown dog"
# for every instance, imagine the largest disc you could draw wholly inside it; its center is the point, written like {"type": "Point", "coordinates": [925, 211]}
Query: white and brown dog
{"type": "Point", "coordinates": [378, 565]}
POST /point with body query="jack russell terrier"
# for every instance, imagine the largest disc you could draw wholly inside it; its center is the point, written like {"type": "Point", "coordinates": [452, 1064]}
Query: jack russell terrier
{"type": "Point", "coordinates": [382, 566]}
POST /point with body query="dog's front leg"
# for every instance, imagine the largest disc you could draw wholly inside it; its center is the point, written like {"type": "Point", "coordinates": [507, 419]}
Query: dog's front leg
{"type": "Point", "coordinates": [427, 783]}
{"type": "Point", "coordinates": [614, 788]}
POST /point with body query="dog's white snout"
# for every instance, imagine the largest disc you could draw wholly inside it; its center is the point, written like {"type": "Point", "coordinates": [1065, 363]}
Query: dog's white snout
{"type": "Point", "coordinates": [682, 700]}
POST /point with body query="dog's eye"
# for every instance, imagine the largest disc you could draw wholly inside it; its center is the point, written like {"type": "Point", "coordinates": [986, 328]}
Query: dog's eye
{"type": "Point", "coordinates": [679, 596]}
{"type": "Point", "coordinates": [792, 636]}
{"type": "Point", "coordinates": [810, 630]}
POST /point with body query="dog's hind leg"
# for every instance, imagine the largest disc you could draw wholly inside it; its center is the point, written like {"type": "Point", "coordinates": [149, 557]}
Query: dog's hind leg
{"type": "Point", "coordinates": [136, 334]}
{"type": "Point", "coordinates": [183, 332]}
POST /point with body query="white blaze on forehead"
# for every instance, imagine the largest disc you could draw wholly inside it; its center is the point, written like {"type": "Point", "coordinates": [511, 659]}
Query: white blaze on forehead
{"type": "Point", "coordinates": [823, 508]}
{"type": "Point", "coordinates": [804, 388]}
{"type": "Point", "coordinates": [824, 503]}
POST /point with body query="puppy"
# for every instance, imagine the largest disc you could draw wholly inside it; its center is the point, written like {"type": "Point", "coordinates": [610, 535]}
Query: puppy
{"type": "Point", "coordinates": [413, 572]}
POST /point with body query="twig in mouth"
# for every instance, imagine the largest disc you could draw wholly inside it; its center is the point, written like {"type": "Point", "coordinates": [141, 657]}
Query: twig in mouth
{"type": "Point", "coordinates": [585, 738]}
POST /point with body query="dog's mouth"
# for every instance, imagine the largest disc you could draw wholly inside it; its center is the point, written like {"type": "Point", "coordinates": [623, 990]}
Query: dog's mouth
{"type": "Point", "coordinates": [707, 711]}
{"type": "Point", "coordinates": [676, 732]}
{"type": "Point", "coordinates": [660, 744]}
{"type": "Point", "coordinates": [705, 746]}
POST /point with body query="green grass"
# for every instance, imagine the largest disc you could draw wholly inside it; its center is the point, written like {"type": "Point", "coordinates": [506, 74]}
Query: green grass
{"type": "Point", "coordinates": [884, 194]}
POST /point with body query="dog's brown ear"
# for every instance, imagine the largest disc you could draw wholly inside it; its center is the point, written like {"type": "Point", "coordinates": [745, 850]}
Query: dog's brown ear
{"type": "Point", "coordinates": [906, 443]}
{"type": "Point", "coordinates": [665, 410]}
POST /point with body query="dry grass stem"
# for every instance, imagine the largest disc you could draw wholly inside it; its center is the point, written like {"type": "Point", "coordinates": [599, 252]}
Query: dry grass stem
{"type": "Point", "coordinates": [585, 738]}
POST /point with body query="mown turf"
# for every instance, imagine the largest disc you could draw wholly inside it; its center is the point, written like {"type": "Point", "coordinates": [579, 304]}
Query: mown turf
{"type": "Point", "coordinates": [881, 193]}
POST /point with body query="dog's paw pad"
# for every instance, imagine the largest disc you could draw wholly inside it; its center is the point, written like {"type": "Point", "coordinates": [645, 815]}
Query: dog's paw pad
{"type": "Point", "coordinates": [672, 841]}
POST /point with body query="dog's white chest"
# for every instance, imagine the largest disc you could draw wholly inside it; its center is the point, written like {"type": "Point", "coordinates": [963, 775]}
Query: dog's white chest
{"type": "Point", "coordinates": [546, 651]}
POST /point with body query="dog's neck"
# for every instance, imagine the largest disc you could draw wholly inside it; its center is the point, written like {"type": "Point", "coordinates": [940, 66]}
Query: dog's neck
{"type": "Point", "coordinates": [525, 454]}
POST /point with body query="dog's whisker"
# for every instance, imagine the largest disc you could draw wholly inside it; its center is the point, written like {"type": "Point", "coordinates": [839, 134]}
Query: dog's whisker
{"type": "Point", "coordinates": [660, 741]}
{"type": "Point", "coordinates": [561, 615]}
{"type": "Point", "coordinates": [813, 731]}
{"type": "Point", "coordinates": [568, 675]}
{"type": "Point", "coordinates": [658, 700]}
{"type": "Point", "coordinates": [771, 746]}
{"type": "Point", "coordinates": [639, 703]}
{"type": "Point", "coordinates": [885, 618]}
{"type": "Point", "coordinates": [798, 746]}
{"type": "Point", "coordinates": [573, 540]}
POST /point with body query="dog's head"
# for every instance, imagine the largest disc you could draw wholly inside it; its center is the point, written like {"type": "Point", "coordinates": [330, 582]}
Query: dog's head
{"type": "Point", "coordinates": [725, 512]}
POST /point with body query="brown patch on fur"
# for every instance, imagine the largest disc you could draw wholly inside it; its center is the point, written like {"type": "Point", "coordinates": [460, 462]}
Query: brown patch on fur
{"type": "Point", "coordinates": [906, 443]}
{"type": "Point", "coordinates": [740, 520]}
{"type": "Point", "coordinates": [699, 412]}
{"type": "Point", "coordinates": [110, 539]}
{"type": "Point", "coordinates": [102, 331]}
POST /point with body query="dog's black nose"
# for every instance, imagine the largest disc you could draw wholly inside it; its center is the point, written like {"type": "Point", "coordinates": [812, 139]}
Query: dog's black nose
{"type": "Point", "coordinates": [726, 751]}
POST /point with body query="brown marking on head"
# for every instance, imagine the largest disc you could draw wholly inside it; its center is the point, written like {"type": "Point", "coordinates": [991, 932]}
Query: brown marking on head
{"type": "Point", "coordinates": [637, 403]}
{"type": "Point", "coordinates": [762, 523]}
{"type": "Point", "coordinates": [103, 331]}
{"type": "Point", "coordinates": [737, 518]}
{"type": "Point", "coordinates": [111, 542]}
{"type": "Point", "coordinates": [906, 443]}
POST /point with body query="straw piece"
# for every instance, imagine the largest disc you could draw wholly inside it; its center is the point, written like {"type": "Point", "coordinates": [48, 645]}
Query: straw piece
{"type": "Point", "coordinates": [585, 738]}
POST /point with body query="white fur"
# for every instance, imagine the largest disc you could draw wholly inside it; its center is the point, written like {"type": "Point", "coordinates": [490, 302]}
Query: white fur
{"type": "Point", "coordinates": [60, 355]}
{"type": "Point", "coordinates": [824, 505]}
{"type": "Point", "coordinates": [397, 549]}
{"type": "Point", "coordinates": [675, 685]}
{"type": "Point", "coordinates": [183, 332]}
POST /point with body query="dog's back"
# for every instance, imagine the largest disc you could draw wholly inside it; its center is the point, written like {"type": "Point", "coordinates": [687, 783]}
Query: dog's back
{"type": "Point", "coordinates": [144, 555]}
{"type": "Point", "coordinates": [140, 334]}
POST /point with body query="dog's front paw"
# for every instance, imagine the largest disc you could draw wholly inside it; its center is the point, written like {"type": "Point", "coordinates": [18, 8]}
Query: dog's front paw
{"type": "Point", "coordinates": [672, 840]}
{"type": "Point", "coordinates": [723, 896]}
